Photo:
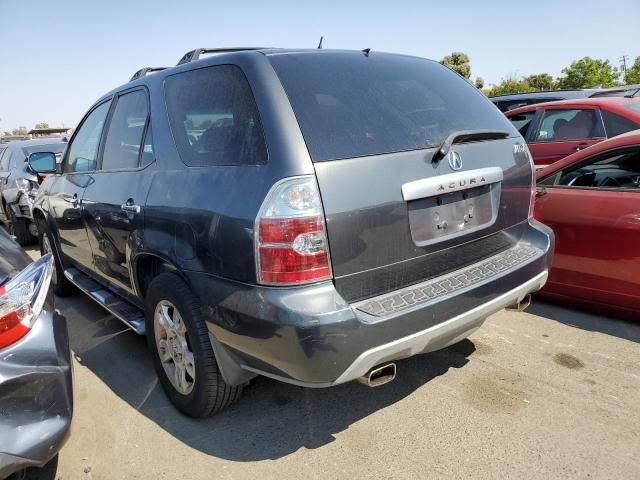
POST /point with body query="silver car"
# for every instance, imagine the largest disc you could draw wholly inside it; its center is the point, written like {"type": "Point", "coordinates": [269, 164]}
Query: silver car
{"type": "Point", "coordinates": [19, 184]}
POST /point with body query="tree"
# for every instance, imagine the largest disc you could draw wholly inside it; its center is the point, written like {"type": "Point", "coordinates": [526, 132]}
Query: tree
{"type": "Point", "coordinates": [510, 85]}
{"type": "Point", "coordinates": [589, 72]}
{"type": "Point", "coordinates": [41, 125]}
{"type": "Point", "coordinates": [479, 83]}
{"type": "Point", "coordinates": [633, 73]}
{"type": "Point", "coordinates": [19, 131]}
{"type": "Point", "coordinates": [458, 62]}
{"type": "Point", "coordinates": [540, 81]}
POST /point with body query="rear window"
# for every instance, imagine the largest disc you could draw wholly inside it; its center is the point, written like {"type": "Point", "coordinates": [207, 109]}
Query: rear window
{"type": "Point", "coordinates": [351, 105]}
{"type": "Point", "coordinates": [214, 118]}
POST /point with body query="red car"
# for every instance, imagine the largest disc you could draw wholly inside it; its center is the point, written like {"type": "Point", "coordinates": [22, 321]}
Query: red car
{"type": "Point", "coordinates": [591, 200]}
{"type": "Point", "coordinates": [554, 130]}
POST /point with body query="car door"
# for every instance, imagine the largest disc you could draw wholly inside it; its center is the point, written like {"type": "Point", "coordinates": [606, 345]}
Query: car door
{"type": "Point", "coordinates": [594, 210]}
{"type": "Point", "coordinates": [113, 201]}
{"type": "Point", "coordinates": [563, 131]}
{"type": "Point", "coordinates": [65, 193]}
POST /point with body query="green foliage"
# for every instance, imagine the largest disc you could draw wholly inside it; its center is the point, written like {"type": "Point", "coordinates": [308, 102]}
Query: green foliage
{"type": "Point", "coordinates": [479, 83]}
{"type": "Point", "coordinates": [541, 81]}
{"type": "Point", "coordinates": [41, 125]}
{"type": "Point", "coordinates": [589, 72]}
{"type": "Point", "coordinates": [633, 73]}
{"type": "Point", "coordinates": [510, 85]}
{"type": "Point", "coordinates": [458, 62]}
{"type": "Point", "coordinates": [19, 131]}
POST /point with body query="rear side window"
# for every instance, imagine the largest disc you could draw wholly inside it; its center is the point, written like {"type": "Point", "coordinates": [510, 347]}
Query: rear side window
{"type": "Point", "coordinates": [352, 105]}
{"type": "Point", "coordinates": [124, 137]}
{"type": "Point", "coordinates": [214, 118]}
{"type": "Point", "coordinates": [570, 124]}
{"type": "Point", "coordinates": [616, 125]}
{"type": "Point", "coordinates": [522, 121]}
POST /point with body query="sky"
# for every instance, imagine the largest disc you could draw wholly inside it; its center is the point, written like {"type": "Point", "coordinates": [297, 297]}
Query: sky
{"type": "Point", "coordinates": [57, 57]}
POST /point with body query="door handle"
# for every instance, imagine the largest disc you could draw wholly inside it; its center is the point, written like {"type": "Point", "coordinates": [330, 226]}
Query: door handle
{"type": "Point", "coordinates": [582, 146]}
{"type": "Point", "coordinates": [129, 208]}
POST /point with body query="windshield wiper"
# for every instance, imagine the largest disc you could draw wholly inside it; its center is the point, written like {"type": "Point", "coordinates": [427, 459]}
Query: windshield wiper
{"type": "Point", "coordinates": [464, 136]}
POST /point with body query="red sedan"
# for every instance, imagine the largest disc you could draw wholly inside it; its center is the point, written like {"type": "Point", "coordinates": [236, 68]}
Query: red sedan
{"type": "Point", "coordinates": [554, 130]}
{"type": "Point", "coordinates": [591, 200]}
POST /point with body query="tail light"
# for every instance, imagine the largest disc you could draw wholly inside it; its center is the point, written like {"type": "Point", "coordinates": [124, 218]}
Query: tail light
{"type": "Point", "coordinates": [290, 236]}
{"type": "Point", "coordinates": [532, 194]}
{"type": "Point", "coordinates": [22, 299]}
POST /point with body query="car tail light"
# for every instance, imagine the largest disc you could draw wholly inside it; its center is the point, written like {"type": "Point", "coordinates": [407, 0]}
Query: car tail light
{"type": "Point", "coordinates": [290, 236]}
{"type": "Point", "coordinates": [22, 299]}
{"type": "Point", "coordinates": [532, 194]}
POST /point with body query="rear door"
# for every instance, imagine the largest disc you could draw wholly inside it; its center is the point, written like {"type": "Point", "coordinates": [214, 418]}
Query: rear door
{"type": "Point", "coordinates": [65, 194]}
{"type": "Point", "coordinates": [113, 202]}
{"type": "Point", "coordinates": [563, 131]}
{"type": "Point", "coordinates": [395, 215]}
{"type": "Point", "coordinates": [594, 210]}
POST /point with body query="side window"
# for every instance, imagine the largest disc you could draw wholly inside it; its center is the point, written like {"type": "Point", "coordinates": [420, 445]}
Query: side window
{"type": "Point", "coordinates": [214, 118]}
{"type": "Point", "coordinates": [147, 148]}
{"type": "Point", "coordinates": [615, 170]}
{"type": "Point", "coordinates": [574, 124]}
{"type": "Point", "coordinates": [616, 125]}
{"type": "Point", "coordinates": [83, 150]}
{"type": "Point", "coordinates": [5, 156]}
{"type": "Point", "coordinates": [522, 121]}
{"type": "Point", "coordinates": [124, 135]}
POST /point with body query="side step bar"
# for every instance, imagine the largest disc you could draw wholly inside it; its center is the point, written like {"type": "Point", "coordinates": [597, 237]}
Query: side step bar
{"type": "Point", "coordinates": [130, 315]}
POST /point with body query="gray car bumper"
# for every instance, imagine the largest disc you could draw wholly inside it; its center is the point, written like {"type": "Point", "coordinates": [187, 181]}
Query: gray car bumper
{"type": "Point", "coordinates": [311, 336]}
{"type": "Point", "coordinates": [36, 401]}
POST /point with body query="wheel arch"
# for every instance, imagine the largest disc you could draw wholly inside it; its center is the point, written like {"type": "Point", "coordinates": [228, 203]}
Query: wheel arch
{"type": "Point", "coordinates": [146, 266]}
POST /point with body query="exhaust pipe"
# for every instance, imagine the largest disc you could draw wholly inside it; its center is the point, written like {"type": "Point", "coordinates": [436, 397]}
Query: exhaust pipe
{"type": "Point", "coordinates": [379, 375]}
{"type": "Point", "coordinates": [521, 305]}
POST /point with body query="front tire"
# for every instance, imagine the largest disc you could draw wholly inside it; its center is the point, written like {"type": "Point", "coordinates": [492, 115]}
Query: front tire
{"type": "Point", "coordinates": [19, 228]}
{"type": "Point", "coordinates": [181, 350]}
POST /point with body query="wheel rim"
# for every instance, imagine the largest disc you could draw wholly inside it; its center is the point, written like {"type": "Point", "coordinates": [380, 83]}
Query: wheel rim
{"type": "Point", "coordinates": [46, 248]}
{"type": "Point", "coordinates": [173, 347]}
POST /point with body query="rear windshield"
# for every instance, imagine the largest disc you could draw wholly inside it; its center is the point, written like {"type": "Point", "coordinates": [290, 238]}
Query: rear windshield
{"type": "Point", "coordinates": [350, 105]}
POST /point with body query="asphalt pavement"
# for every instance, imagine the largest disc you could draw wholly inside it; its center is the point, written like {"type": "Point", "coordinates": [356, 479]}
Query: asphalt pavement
{"type": "Point", "coordinates": [549, 393]}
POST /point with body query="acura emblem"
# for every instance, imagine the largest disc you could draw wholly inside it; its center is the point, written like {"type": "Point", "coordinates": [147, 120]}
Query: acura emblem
{"type": "Point", "coordinates": [455, 162]}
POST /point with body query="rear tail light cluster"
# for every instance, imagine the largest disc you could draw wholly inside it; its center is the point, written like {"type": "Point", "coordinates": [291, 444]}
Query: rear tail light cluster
{"type": "Point", "coordinates": [290, 235]}
{"type": "Point", "coordinates": [532, 198]}
{"type": "Point", "coordinates": [22, 299]}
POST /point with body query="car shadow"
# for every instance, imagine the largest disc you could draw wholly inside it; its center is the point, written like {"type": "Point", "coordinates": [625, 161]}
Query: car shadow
{"type": "Point", "coordinates": [271, 419]}
{"type": "Point", "coordinates": [584, 320]}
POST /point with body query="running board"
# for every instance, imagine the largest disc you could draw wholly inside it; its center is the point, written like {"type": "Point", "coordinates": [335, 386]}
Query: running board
{"type": "Point", "coordinates": [130, 315]}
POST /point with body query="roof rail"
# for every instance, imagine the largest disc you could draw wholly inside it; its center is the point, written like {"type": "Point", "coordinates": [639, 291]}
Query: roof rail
{"type": "Point", "coordinates": [194, 55]}
{"type": "Point", "coordinates": [143, 71]}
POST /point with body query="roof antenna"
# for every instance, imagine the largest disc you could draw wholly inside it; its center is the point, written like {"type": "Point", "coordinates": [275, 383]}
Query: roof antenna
{"type": "Point", "coordinates": [366, 52]}
{"type": "Point", "coordinates": [320, 44]}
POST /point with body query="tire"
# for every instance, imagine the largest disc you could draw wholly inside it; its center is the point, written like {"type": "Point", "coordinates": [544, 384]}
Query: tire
{"type": "Point", "coordinates": [19, 228]}
{"type": "Point", "coordinates": [61, 286]}
{"type": "Point", "coordinates": [189, 373]}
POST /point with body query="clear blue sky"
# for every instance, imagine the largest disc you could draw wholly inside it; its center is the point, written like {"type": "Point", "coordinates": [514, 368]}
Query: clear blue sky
{"type": "Point", "coordinates": [58, 56]}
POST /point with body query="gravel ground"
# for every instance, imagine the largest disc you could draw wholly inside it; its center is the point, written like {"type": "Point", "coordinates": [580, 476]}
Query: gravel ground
{"type": "Point", "coordinates": [550, 393]}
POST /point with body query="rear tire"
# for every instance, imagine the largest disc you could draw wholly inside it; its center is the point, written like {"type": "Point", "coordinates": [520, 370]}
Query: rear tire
{"type": "Point", "coordinates": [61, 286]}
{"type": "Point", "coordinates": [181, 350]}
{"type": "Point", "coordinates": [19, 228]}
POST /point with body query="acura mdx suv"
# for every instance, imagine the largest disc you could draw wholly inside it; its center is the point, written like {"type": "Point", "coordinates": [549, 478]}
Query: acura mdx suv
{"type": "Point", "coordinates": [307, 215]}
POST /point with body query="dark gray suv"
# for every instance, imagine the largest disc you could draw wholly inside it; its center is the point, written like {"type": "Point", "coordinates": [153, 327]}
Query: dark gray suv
{"type": "Point", "coordinates": [307, 215]}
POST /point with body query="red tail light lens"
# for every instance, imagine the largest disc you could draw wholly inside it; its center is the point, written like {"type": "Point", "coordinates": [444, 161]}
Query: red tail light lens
{"type": "Point", "coordinates": [22, 299]}
{"type": "Point", "coordinates": [291, 238]}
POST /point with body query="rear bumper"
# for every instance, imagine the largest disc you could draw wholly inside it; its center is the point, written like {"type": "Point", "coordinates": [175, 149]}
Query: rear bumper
{"type": "Point", "coordinates": [311, 336]}
{"type": "Point", "coordinates": [36, 394]}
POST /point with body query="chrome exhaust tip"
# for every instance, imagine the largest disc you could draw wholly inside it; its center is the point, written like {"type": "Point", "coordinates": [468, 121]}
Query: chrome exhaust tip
{"type": "Point", "coordinates": [379, 375]}
{"type": "Point", "coordinates": [521, 306]}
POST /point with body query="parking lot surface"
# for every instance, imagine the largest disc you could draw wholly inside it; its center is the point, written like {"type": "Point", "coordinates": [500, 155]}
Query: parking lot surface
{"type": "Point", "coordinates": [549, 393]}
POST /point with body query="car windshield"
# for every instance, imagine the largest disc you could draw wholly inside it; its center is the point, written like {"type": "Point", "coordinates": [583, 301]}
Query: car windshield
{"type": "Point", "coordinates": [352, 105]}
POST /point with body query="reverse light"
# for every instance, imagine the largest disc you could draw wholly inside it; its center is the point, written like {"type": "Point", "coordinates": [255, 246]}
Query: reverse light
{"type": "Point", "coordinates": [22, 299]}
{"type": "Point", "coordinates": [290, 235]}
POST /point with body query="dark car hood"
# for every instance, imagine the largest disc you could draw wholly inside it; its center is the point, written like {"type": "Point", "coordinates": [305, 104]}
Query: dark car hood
{"type": "Point", "coordinates": [12, 257]}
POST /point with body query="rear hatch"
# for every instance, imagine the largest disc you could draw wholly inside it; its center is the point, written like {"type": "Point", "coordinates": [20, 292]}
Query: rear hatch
{"type": "Point", "coordinates": [402, 203]}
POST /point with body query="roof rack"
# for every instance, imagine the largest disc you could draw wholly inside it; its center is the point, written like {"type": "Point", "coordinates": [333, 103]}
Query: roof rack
{"type": "Point", "coordinates": [143, 71]}
{"type": "Point", "coordinates": [194, 55]}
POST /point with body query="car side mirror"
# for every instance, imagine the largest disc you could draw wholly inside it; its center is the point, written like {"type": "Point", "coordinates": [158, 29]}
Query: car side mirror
{"type": "Point", "coordinates": [42, 162]}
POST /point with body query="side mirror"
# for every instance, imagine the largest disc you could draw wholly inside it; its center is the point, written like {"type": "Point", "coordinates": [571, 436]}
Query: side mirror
{"type": "Point", "coordinates": [42, 162]}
